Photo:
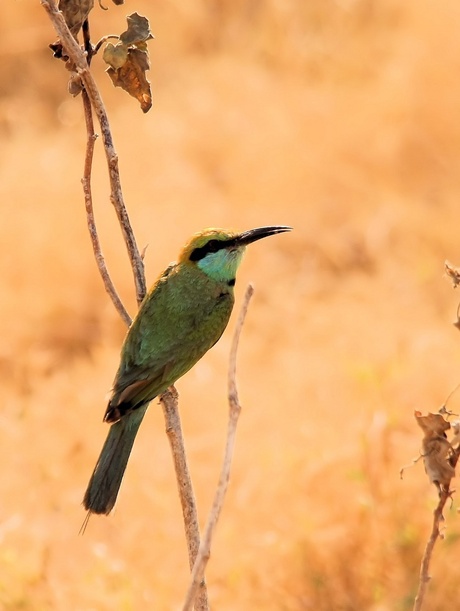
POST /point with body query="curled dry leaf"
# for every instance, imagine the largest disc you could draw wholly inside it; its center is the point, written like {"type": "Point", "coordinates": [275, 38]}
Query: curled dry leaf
{"type": "Point", "coordinates": [453, 273]}
{"type": "Point", "coordinates": [58, 51]}
{"type": "Point", "coordinates": [131, 77]}
{"type": "Point", "coordinates": [129, 60]}
{"type": "Point", "coordinates": [138, 30]}
{"type": "Point", "coordinates": [439, 454]}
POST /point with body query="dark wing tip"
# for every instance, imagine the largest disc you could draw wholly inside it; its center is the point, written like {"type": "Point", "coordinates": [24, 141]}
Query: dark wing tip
{"type": "Point", "coordinates": [112, 414]}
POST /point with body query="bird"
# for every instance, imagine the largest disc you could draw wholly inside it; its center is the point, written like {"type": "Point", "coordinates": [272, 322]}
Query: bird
{"type": "Point", "coordinates": [182, 316]}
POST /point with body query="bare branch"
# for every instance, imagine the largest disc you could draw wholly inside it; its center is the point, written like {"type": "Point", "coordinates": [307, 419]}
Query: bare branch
{"type": "Point", "coordinates": [78, 57]}
{"type": "Point", "coordinates": [169, 402]}
{"type": "Point", "coordinates": [234, 412]}
{"type": "Point", "coordinates": [86, 182]}
{"type": "Point", "coordinates": [438, 518]}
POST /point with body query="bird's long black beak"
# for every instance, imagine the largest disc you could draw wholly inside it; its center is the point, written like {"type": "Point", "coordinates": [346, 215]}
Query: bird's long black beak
{"type": "Point", "coordinates": [247, 237]}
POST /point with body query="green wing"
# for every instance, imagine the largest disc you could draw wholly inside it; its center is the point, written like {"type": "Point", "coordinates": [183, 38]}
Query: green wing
{"type": "Point", "coordinates": [182, 317]}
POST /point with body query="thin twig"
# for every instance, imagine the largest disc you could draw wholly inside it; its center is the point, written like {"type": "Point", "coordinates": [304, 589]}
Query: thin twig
{"type": "Point", "coordinates": [78, 57]}
{"type": "Point", "coordinates": [86, 182]}
{"type": "Point", "coordinates": [234, 412]}
{"type": "Point", "coordinates": [169, 402]}
{"type": "Point", "coordinates": [438, 518]}
{"type": "Point", "coordinates": [104, 39]}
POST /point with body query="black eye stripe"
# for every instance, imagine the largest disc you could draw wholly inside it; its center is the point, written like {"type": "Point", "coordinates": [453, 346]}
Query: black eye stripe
{"type": "Point", "coordinates": [209, 247]}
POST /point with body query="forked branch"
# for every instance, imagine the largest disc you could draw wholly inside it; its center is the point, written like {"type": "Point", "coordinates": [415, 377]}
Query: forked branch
{"type": "Point", "coordinates": [198, 554]}
{"type": "Point", "coordinates": [78, 57]}
{"type": "Point", "coordinates": [92, 100]}
{"type": "Point", "coordinates": [219, 497]}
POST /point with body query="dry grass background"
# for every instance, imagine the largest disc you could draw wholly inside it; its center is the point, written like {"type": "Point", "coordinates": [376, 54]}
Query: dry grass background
{"type": "Point", "coordinates": [340, 118]}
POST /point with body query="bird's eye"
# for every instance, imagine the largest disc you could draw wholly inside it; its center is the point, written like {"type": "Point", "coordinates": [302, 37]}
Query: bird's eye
{"type": "Point", "coordinates": [213, 245]}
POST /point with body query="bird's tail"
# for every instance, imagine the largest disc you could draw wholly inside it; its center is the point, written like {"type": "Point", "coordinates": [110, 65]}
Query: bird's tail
{"type": "Point", "coordinates": [103, 487]}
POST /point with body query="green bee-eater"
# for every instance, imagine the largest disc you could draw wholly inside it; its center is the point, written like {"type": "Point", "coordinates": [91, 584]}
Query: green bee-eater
{"type": "Point", "coordinates": [181, 318]}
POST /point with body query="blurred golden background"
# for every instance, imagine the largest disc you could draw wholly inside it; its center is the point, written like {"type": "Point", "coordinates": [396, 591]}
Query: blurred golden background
{"type": "Point", "coordinates": [338, 117]}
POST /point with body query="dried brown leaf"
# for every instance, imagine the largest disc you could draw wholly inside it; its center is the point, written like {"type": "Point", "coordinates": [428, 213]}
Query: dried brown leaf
{"type": "Point", "coordinates": [75, 13]}
{"type": "Point", "coordinates": [131, 77]}
{"type": "Point", "coordinates": [138, 30]}
{"type": "Point", "coordinates": [432, 424]}
{"type": "Point", "coordinates": [453, 273]}
{"type": "Point", "coordinates": [129, 60]}
{"type": "Point", "coordinates": [439, 456]}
